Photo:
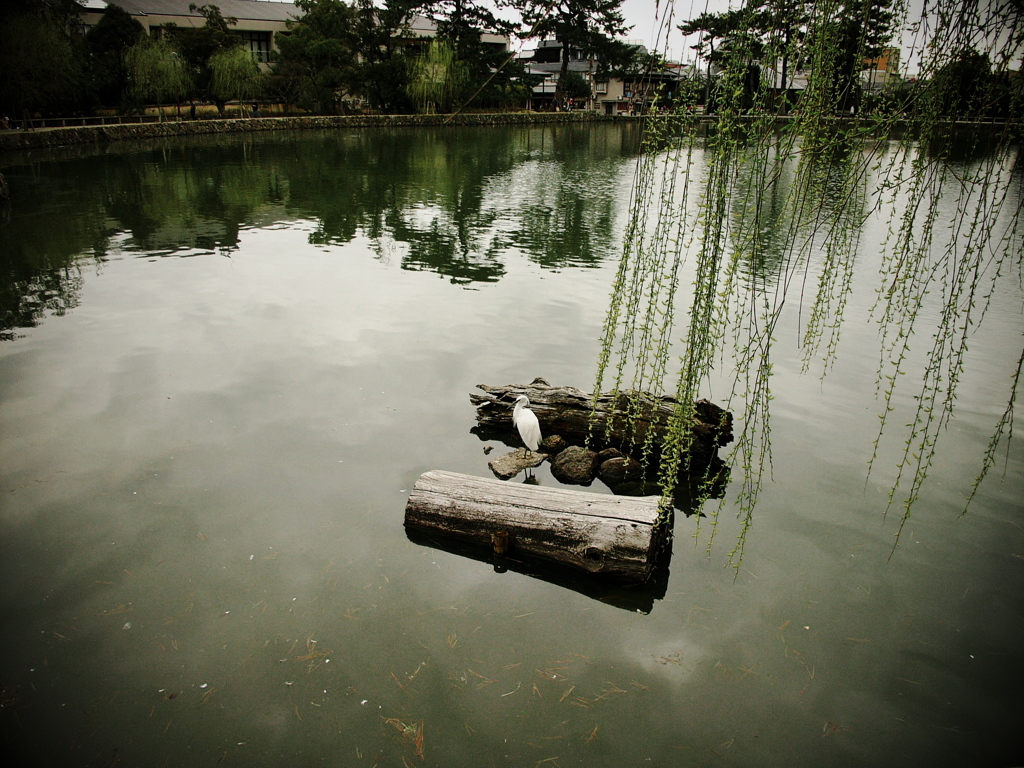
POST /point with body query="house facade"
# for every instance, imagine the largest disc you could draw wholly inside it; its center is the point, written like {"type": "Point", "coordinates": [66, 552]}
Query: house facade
{"type": "Point", "coordinates": [876, 74]}
{"type": "Point", "coordinates": [882, 71]}
{"type": "Point", "coordinates": [258, 20]}
{"type": "Point", "coordinates": [608, 95]}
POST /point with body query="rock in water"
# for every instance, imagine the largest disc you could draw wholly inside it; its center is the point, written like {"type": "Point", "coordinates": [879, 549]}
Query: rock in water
{"type": "Point", "coordinates": [511, 464]}
{"type": "Point", "coordinates": [575, 465]}
{"type": "Point", "coordinates": [553, 444]}
{"type": "Point", "coordinates": [620, 469]}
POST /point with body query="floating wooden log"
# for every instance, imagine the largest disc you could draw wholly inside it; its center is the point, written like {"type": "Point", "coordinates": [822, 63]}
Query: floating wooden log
{"type": "Point", "coordinates": [575, 415]}
{"type": "Point", "coordinates": [593, 532]}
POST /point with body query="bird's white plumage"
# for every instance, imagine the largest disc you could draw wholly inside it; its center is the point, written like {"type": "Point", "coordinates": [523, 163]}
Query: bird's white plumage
{"type": "Point", "coordinates": [526, 422]}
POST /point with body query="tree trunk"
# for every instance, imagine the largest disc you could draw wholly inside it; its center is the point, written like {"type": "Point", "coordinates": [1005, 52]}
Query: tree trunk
{"type": "Point", "coordinates": [785, 72]}
{"type": "Point", "coordinates": [562, 73]}
{"type": "Point", "coordinates": [574, 415]}
{"type": "Point", "coordinates": [592, 532]}
{"type": "Point", "coordinates": [707, 82]}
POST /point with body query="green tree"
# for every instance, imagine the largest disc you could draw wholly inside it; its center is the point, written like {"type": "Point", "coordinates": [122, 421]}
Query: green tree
{"type": "Point", "coordinates": [382, 74]}
{"type": "Point", "coordinates": [739, 47]}
{"type": "Point", "coordinates": [581, 26]}
{"type": "Point", "coordinates": [831, 38]}
{"type": "Point", "coordinates": [366, 51]}
{"type": "Point", "coordinates": [198, 46]}
{"type": "Point", "coordinates": [930, 176]}
{"type": "Point", "coordinates": [1006, 96]}
{"type": "Point", "coordinates": [436, 78]}
{"type": "Point", "coordinates": [783, 28]}
{"type": "Point", "coordinates": [712, 28]}
{"type": "Point", "coordinates": [319, 55]}
{"type": "Point", "coordinates": [491, 77]}
{"type": "Point", "coordinates": [156, 71]}
{"type": "Point", "coordinates": [462, 23]}
{"type": "Point", "coordinates": [356, 48]}
{"type": "Point", "coordinates": [40, 57]}
{"type": "Point", "coordinates": [575, 86]}
{"type": "Point", "coordinates": [841, 35]}
{"type": "Point", "coordinates": [963, 86]}
{"type": "Point", "coordinates": [234, 74]}
{"type": "Point", "coordinates": [106, 44]}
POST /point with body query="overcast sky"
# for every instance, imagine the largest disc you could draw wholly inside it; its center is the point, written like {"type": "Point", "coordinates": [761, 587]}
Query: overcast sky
{"type": "Point", "coordinates": [654, 23]}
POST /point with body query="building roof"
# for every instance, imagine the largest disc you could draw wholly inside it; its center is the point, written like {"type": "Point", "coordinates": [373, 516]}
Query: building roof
{"type": "Point", "coordinates": [250, 10]}
{"type": "Point", "coordinates": [421, 26]}
{"type": "Point", "coordinates": [796, 79]}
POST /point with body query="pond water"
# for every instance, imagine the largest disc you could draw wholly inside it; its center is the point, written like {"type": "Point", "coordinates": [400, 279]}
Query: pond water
{"type": "Point", "coordinates": [226, 361]}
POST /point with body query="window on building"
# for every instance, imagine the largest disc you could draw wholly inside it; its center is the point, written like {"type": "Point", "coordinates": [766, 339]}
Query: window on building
{"type": "Point", "coordinates": [259, 44]}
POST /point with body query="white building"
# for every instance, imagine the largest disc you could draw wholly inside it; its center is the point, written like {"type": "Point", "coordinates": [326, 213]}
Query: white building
{"type": "Point", "coordinates": [608, 95]}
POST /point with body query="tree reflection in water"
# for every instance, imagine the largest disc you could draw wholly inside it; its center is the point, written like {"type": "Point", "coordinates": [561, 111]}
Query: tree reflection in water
{"type": "Point", "coordinates": [451, 201]}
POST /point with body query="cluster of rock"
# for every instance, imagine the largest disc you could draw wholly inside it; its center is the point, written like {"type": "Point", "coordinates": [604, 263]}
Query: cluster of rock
{"type": "Point", "coordinates": [576, 423]}
{"type": "Point", "coordinates": [577, 465]}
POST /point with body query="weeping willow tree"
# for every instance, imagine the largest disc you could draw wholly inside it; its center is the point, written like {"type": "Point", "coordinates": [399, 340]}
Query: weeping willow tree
{"type": "Point", "coordinates": [235, 75]}
{"type": "Point", "coordinates": [436, 78]}
{"type": "Point", "coordinates": [156, 71]}
{"type": "Point", "coordinates": [746, 201]}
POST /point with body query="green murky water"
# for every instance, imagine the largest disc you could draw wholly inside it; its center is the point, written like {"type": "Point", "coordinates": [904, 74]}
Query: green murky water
{"type": "Point", "coordinates": [224, 364]}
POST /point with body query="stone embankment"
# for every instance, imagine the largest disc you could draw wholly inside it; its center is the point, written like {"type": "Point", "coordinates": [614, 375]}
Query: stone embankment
{"type": "Point", "coordinates": [99, 134]}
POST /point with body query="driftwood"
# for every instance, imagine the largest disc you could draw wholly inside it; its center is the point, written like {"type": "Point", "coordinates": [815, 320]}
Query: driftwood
{"type": "Point", "coordinates": [596, 533]}
{"type": "Point", "coordinates": [575, 415]}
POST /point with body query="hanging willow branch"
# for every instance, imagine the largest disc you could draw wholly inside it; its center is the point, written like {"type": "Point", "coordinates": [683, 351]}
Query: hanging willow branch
{"type": "Point", "coordinates": [776, 214]}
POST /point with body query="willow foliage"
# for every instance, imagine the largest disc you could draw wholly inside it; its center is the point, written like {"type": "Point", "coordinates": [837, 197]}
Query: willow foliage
{"type": "Point", "coordinates": [156, 71]}
{"type": "Point", "coordinates": [775, 211]}
{"type": "Point", "coordinates": [436, 78]}
{"type": "Point", "coordinates": [235, 74]}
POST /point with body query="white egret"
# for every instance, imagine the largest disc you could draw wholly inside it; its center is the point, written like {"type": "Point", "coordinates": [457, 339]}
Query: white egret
{"type": "Point", "coordinates": [526, 422]}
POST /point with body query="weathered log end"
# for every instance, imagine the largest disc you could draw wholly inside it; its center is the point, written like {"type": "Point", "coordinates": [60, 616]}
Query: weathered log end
{"type": "Point", "coordinates": [596, 533]}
